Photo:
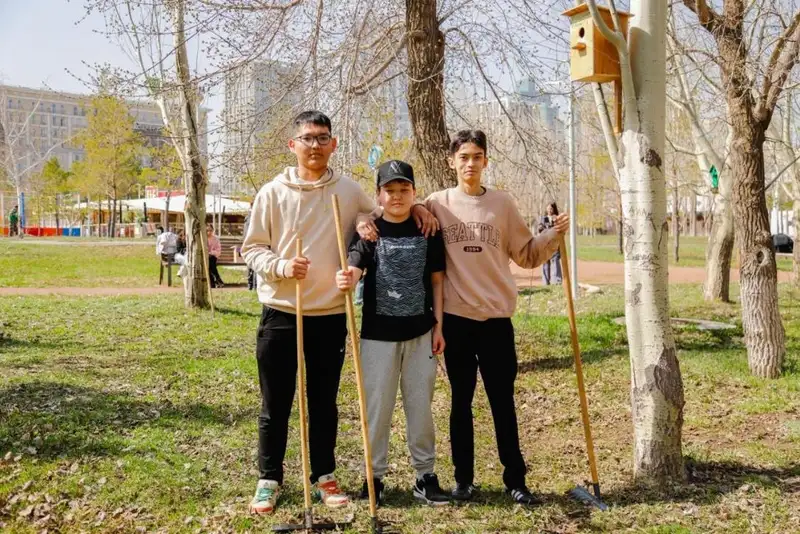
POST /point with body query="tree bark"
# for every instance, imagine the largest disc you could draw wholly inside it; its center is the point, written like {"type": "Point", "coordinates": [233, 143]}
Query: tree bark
{"type": "Point", "coordinates": [761, 320]}
{"type": "Point", "coordinates": [112, 218]}
{"type": "Point", "coordinates": [693, 214]}
{"type": "Point", "coordinates": [796, 252]}
{"type": "Point", "coordinates": [676, 219]}
{"type": "Point", "coordinates": [197, 293]}
{"type": "Point", "coordinates": [620, 226]}
{"type": "Point", "coordinates": [58, 221]}
{"type": "Point", "coordinates": [719, 249]}
{"type": "Point", "coordinates": [426, 108]}
{"type": "Point", "coordinates": [763, 330]}
{"type": "Point", "coordinates": [656, 385]}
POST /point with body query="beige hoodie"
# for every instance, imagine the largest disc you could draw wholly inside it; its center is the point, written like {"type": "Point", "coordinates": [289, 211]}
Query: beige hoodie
{"type": "Point", "coordinates": [287, 208]}
{"type": "Point", "coordinates": [481, 235]}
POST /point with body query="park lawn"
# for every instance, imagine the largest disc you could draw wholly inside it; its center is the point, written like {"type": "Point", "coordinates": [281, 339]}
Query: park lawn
{"type": "Point", "coordinates": [75, 263]}
{"type": "Point", "coordinates": [692, 251]}
{"type": "Point", "coordinates": [126, 413]}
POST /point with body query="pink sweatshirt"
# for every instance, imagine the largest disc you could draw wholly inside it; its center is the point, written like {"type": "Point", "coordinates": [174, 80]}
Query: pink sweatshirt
{"type": "Point", "coordinates": [214, 246]}
{"type": "Point", "coordinates": [481, 235]}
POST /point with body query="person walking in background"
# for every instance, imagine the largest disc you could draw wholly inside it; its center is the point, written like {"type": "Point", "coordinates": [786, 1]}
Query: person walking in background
{"type": "Point", "coordinates": [13, 220]}
{"type": "Point", "coordinates": [554, 263]}
{"type": "Point", "coordinates": [251, 274]}
{"type": "Point", "coordinates": [214, 251]}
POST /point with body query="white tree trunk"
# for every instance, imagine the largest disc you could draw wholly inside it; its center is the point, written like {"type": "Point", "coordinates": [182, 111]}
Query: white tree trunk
{"type": "Point", "coordinates": [656, 384]}
{"type": "Point", "coordinates": [197, 289]}
{"type": "Point", "coordinates": [719, 250]}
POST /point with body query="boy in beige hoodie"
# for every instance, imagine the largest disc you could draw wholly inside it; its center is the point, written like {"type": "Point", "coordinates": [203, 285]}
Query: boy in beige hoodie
{"type": "Point", "coordinates": [483, 231]}
{"type": "Point", "coordinates": [297, 204]}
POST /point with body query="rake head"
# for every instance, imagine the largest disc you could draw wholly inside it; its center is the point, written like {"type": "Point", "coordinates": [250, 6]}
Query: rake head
{"type": "Point", "coordinates": [580, 493]}
{"type": "Point", "coordinates": [308, 524]}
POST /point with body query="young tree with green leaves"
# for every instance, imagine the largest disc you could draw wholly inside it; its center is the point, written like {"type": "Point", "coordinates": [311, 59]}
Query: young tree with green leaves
{"type": "Point", "coordinates": [113, 149]}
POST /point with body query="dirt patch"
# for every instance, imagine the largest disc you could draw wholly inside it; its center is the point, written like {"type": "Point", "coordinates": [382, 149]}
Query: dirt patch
{"type": "Point", "coordinates": [600, 272]}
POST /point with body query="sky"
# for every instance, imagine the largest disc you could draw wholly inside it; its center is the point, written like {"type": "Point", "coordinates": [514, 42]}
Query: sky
{"type": "Point", "coordinates": [53, 43]}
{"type": "Point", "coordinates": [42, 41]}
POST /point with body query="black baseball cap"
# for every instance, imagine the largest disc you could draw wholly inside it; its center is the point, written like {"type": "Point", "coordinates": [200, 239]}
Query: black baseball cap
{"type": "Point", "coordinates": [395, 170]}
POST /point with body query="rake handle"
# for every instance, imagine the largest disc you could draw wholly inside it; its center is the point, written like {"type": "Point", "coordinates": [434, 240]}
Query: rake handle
{"type": "Point", "coordinates": [576, 352]}
{"type": "Point", "coordinates": [301, 387]}
{"type": "Point", "coordinates": [351, 324]}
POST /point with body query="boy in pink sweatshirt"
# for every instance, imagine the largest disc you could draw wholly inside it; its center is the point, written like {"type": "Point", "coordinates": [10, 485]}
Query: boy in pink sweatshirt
{"type": "Point", "coordinates": [483, 231]}
{"type": "Point", "coordinates": [297, 203]}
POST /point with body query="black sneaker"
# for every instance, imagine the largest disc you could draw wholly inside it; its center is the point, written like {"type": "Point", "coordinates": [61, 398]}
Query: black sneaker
{"type": "Point", "coordinates": [378, 491]}
{"type": "Point", "coordinates": [427, 490]}
{"type": "Point", "coordinates": [522, 495]}
{"type": "Point", "coordinates": [464, 492]}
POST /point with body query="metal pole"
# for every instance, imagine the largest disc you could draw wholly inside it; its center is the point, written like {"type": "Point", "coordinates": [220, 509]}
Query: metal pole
{"type": "Point", "coordinates": [573, 228]}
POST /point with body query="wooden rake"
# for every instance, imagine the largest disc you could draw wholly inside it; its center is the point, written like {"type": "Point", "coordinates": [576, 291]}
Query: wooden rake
{"type": "Point", "coordinates": [580, 493]}
{"type": "Point", "coordinates": [308, 524]}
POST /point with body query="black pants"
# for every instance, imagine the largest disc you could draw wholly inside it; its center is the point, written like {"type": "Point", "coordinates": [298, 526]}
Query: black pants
{"type": "Point", "coordinates": [216, 279]}
{"type": "Point", "coordinates": [488, 346]}
{"type": "Point", "coordinates": [251, 279]}
{"type": "Point", "coordinates": [276, 352]}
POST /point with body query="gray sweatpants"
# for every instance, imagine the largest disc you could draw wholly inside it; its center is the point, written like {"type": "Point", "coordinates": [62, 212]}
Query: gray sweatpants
{"type": "Point", "coordinates": [414, 365]}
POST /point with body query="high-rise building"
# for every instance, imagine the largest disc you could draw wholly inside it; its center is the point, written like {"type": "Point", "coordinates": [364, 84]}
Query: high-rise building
{"type": "Point", "coordinates": [527, 144]}
{"type": "Point", "coordinates": [38, 124]}
{"type": "Point", "coordinates": [261, 97]}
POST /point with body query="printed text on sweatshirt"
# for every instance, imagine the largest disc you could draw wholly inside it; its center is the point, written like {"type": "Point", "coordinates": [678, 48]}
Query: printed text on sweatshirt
{"type": "Point", "coordinates": [481, 235]}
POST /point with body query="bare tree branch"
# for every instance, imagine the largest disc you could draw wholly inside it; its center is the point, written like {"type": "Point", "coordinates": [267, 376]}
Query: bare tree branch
{"type": "Point", "coordinates": [709, 19]}
{"type": "Point", "coordinates": [364, 84]}
{"type": "Point", "coordinates": [781, 62]}
{"type": "Point", "coordinates": [256, 5]}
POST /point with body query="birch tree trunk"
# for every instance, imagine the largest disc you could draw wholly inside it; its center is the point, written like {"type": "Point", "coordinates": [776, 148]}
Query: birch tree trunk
{"type": "Point", "coordinates": [796, 252]}
{"type": "Point", "coordinates": [676, 219]}
{"type": "Point", "coordinates": [197, 292]}
{"type": "Point", "coordinates": [719, 249]}
{"type": "Point", "coordinates": [656, 385]}
{"type": "Point", "coordinates": [426, 109]}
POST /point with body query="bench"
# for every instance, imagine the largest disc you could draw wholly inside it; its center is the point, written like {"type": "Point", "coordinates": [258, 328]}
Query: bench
{"type": "Point", "coordinates": [228, 256]}
{"type": "Point", "coordinates": [166, 261]}
{"type": "Point", "coordinates": [230, 251]}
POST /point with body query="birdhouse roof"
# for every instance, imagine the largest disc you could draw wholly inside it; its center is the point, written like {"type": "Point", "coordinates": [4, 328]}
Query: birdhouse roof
{"type": "Point", "coordinates": [585, 7]}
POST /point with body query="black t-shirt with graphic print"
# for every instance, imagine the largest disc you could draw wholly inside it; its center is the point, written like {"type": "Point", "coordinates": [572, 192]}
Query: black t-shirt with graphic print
{"type": "Point", "coordinates": [398, 297]}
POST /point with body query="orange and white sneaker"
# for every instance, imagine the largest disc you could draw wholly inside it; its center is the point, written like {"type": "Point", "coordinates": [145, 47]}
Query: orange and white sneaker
{"type": "Point", "coordinates": [266, 497]}
{"type": "Point", "coordinates": [327, 491]}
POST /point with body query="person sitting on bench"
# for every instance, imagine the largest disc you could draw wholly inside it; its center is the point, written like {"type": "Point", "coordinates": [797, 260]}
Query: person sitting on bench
{"type": "Point", "coordinates": [214, 252]}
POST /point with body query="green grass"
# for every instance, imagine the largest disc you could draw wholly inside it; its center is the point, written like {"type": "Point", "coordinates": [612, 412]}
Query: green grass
{"type": "Point", "coordinates": [106, 263]}
{"type": "Point", "coordinates": [126, 412]}
{"type": "Point", "coordinates": [73, 263]}
{"type": "Point", "coordinates": [692, 251]}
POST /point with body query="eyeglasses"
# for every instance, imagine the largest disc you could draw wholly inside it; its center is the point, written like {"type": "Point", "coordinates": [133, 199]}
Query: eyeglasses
{"type": "Point", "coordinates": [321, 140]}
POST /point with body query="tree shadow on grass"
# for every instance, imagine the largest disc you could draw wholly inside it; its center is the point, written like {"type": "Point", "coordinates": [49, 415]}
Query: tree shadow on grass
{"type": "Point", "coordinates": [567, 362]}
{"type": "Point", "coordinates": [692, 339]}
{"type": "Point", "coordinates": [63, 420]}
{"type": "Point", "coordinates": [707, 482]}
{"type": "Point", "coordinates": [238, 313]}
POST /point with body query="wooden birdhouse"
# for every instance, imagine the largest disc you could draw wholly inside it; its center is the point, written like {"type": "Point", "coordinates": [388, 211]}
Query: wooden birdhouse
{"type": "Point", "coordinates": [592, 57]}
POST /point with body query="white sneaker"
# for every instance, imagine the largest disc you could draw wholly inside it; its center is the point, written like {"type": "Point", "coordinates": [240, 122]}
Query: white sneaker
{"type": "Point", "coordinates": [266, 497]}
{"type": "Point", "coordinates": [327, 491]}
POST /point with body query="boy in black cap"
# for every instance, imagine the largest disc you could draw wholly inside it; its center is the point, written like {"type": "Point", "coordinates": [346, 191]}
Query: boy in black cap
{"type": "Point", "coordinates": [401, 327]}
